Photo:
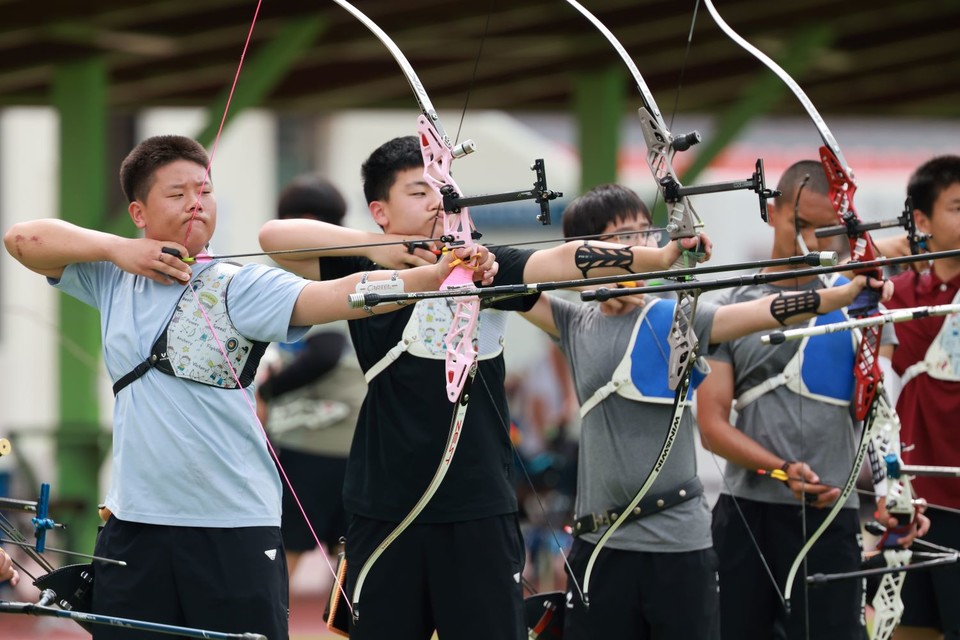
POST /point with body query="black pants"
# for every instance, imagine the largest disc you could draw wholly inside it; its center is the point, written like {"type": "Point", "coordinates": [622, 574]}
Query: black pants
{"type": "Point", "coordinates": [318, 481]}
{"type": "Point", "coordinates": [228, 580]}
{"type": "Point", "coordinates": [749, 604]}
{"type": "Point", "coordinates": [461, 579]}
{"type": "Point", "coordinates": [643, 595]}
{"type": "Point", "coordinates": [930, 596]}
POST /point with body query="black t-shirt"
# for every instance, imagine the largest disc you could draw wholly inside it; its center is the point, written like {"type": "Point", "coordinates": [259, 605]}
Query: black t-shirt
{"type": "Point", "coordinates": [405, 420]}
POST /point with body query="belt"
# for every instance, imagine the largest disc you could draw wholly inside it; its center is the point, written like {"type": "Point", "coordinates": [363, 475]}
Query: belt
{"type": "Point", "coordinates": [648, 506]}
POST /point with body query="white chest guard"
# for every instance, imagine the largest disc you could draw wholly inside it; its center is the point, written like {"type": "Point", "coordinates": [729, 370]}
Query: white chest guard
{"type": "Point", "coordinates": [642, 373]}
{"type": "Point", "coordinates": [428, 325]}
{"type": "Point", "coordinates": [942, 360]}
{"type": "Point", "coordinates": [821, 369]}
{"type": "Point", "coordinates": [187, 348]}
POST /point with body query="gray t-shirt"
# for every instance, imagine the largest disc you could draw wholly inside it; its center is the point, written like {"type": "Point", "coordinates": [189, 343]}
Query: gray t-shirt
{"type": "Point", "coordinates": [823, 435]}
{"type": "Point", "coordinates": [185, 453]}
{"type": "Point", "coordinates": [621, 438]}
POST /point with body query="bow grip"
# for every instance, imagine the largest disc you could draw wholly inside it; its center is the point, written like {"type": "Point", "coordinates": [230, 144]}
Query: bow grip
{"type": "Point", "coordinates": [867, 303]}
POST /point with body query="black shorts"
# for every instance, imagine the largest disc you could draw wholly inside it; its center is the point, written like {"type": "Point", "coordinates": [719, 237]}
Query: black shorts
{"type": "Point", "coordinates": [930, 595]}
{"type": "Point", "coordinates": [228, 580]}
{"type": "Point", "coordinates": [750, 606]}
{"type": "Point", "coordinates": [461, 579]}
{"type": "Point", "coordinates": [643, 595]}
{"type": "Point", "coordinates": [318, 482]}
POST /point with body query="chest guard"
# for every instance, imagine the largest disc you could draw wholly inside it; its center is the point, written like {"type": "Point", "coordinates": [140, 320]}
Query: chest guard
{"type": "Point", "coordinates": [942, 359]}
{"type": "Point", "coordinates": [642, 374]}
{"type": "Point", "coordinates": [821, 369]}
{"type": "Point", "coordinates": [427, 327]}
{"type": "Point", "coordinates": [187, 348]}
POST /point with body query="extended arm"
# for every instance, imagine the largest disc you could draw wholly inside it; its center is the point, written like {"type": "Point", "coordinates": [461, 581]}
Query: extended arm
{"type": "Point", "coordinates": [47, 246]}
{"type": "Point", "coordinates": [326, 301]}
{"type": "Point", "coordinates": [541, 316]}
{"type": "Point", "coordinates": [584, 259]}
{"type": "Point", "coordinates": [284, 235]}
{"type": "Point", "coordinates": [790, 307]}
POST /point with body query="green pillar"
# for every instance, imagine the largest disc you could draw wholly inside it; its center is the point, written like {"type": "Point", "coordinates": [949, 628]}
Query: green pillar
{"type": "Point", "coordinates": [599, 102]}
{"type": "Point", "coordinates": [80, 95]}
{"type": "Point", "coordinates": [263, 72]}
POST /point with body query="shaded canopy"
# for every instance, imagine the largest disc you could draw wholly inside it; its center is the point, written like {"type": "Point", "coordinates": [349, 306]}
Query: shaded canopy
{"type": "Point", "coordinates": [861, 56]}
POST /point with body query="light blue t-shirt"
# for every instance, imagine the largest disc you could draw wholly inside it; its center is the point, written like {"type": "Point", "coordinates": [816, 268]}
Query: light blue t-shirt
{"type": "Point", "coordinates": [185, 453]}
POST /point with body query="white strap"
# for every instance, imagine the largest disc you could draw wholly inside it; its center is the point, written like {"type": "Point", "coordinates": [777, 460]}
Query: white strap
{"type": "Point", "coordinates": [388, 359]}
{"type": "Point", "coordinates": [766, 386]}
{"type": "Point", "coordinates": [600, 395]}
{"type": "Point", "coordinates": [913, 371]}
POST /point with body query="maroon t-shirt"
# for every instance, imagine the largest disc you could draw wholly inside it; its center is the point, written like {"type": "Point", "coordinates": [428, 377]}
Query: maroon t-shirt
{"type": "Point", "coordinates": [928, 408]}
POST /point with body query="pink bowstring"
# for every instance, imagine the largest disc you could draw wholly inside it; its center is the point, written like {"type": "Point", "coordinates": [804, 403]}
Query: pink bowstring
{"type": "Point", "coordinates": [204, 257]}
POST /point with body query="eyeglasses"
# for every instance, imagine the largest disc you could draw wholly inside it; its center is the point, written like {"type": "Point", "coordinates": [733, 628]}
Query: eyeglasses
{"type": "Point", "coordinates": [646, 237]}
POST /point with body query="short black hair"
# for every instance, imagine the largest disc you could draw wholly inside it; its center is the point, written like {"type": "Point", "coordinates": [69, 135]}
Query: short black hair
{"type": "Point", "coordinates": [138, 168]}
{"type": "Point", "coordinates": [591, 213]}
{"type": "Point", "coordinates": [810, 171]}
{"type": "Point", "coordinates": [312, 195]}
{"type": "Point", "coordinates": [931, 179]}
{"type": "Point", "coordinates": [380, 170]}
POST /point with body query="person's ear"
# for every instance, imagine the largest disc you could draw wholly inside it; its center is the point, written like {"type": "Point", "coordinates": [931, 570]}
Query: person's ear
{"type": "Point", "coordinates": [135, 209]}
{"type": "Point", "coordinates": [922, 220]}
{"type": "Point", "coordinates": [378, 212]}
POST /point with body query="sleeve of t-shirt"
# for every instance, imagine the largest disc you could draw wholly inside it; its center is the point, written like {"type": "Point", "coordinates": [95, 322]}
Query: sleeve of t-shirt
{"type": "Point", "coordinates": [84, 281]}
{"type": "Point", "coordinates": [336, 267]}
{"type": "Point", "coordinates": [564, 312]}
{"type": "Point", "coordinates": [512, 263]}
{"type": "Point", "coordinates": [260, 302]}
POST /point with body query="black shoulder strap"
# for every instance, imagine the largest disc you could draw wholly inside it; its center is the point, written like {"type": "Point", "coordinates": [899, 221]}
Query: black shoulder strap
{"type": "Point", "coordinates": [138, 371]}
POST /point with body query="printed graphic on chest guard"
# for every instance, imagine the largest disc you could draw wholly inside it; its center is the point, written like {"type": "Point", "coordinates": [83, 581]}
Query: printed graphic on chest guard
{"type": "Point", "coordinates": [431, 320]}
{"type": "Point", "coordinates": [948, 360]}
{"type": "Point", "coordinates": [193, 351]}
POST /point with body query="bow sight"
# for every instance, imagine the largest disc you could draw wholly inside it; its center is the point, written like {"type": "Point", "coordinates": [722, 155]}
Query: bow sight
{"type": "Point", "coordinates": [674, 192]}
{"type": "Point", "coordinates": [453, 202]}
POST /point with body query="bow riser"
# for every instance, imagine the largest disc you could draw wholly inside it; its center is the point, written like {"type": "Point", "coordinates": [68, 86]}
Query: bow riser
{"type": "Point", "coordinates": [888, 606]}
{"type": "Point", "coordinates": [683, 221]}
{"type": "Point", "coordinates": [867, 371]}
{"type": "Point", "coordinates": [458, 230]}
{"type": "Point", "coordinates": [682, 339]}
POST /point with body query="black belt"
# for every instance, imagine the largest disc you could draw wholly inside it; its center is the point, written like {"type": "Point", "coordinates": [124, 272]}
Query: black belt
{"type": "Point", "coordinates": [648, 506]}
